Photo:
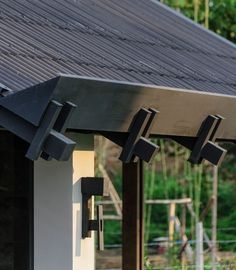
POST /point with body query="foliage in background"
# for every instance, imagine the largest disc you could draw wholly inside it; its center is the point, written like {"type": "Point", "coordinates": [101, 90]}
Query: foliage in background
{"type": "Point", "coordinates": [182, 180]}
{"type": "Point", "coordinates": [220, 17]}
{"type": "Point", "coordinates": [171, 176]}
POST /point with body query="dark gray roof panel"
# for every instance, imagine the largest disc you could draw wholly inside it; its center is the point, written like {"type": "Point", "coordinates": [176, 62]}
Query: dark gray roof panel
{"type": "Point", "coordinates": [129, 40]}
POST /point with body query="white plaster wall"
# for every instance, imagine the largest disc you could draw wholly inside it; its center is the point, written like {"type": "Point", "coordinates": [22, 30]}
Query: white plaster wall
{"type": "Point", "coordinates": [52, 215]}
{"type": "Point", "coordinates": [57, 211]}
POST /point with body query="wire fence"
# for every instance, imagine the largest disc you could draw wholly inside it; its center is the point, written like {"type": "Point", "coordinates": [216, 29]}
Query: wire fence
{"type": "Point", "coordinates": [224, 264]}
{"type": "Point", "coordinates": [156, 231]}
{"type": "Point", "coordinates": [191, 242]}
{"type": "Point", "coordinates": [177, 242]}
{"type": "Point", "coordinates": [222, 229]}
{"type": "Point", "coordinates": [206, 266]}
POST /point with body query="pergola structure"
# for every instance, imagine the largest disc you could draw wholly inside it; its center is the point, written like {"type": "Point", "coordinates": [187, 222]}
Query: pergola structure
{"type": "Point", "coordinates": [139, 70]}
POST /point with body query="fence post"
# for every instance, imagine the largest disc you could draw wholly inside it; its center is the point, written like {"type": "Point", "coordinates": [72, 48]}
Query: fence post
{"type": "Point", "coordinates": [199, 247]}
{"type": "Point", "coordinates": [214, 218]}
{"type": "Point", "coordinates": [171, 223]}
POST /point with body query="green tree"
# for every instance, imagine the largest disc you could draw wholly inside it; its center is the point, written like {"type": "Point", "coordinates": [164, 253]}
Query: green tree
{"type": "Point", "coordinates": [218, 15]}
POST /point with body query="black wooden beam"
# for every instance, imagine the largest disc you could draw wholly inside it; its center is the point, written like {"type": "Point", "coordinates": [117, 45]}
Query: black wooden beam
{"type": "Point", "coordinates": [106, 105]}
{"type": "Point", "coordinates": [133, 205]}
{"type": "Point", "coordinates": [109, 106]}
{"type": "Point", "coordinates": [41, 138]}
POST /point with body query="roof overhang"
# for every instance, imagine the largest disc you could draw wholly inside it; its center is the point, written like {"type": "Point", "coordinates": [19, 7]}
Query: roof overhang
{"type": "Point", "coordinates": [41, 114]}
{"type": "Point", "coordinates": [105, 105]}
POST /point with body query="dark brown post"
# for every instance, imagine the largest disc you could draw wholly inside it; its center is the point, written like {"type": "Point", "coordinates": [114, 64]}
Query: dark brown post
{"type": "Point", "coordinates": [133, 228]}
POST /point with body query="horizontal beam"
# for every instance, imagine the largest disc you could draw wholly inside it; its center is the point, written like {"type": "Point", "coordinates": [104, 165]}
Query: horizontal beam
{"type": "Point", "coordinates": [176, 201]}
{"type": "Point", "coordinates": [109, 106]}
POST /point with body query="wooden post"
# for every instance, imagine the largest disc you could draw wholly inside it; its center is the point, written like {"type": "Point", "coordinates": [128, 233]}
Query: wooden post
{"type": "Point", "coordinates": [199, 246]}
{"type": "Point", "coordinates": [171, 223]}
{"type": "Point", "coordinates": [207, 14]}
{"type": "Point", "coordinates": [183, 219]}
{"type": "Point", "coordinates": [214, 218]}
{"type": "Point", "coordinates": [133, 228]}
{"type": "Point", "coordinates": [183, 233]}
{"type": "Point", "coordinates": [113, 193]}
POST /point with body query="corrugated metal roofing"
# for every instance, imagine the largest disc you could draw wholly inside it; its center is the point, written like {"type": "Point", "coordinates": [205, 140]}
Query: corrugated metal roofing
{"type": "Point", "coordinates": [128, 40]}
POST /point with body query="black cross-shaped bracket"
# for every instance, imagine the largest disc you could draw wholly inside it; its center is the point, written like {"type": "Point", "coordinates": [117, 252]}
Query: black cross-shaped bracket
{"type": "Point", "coordinates": [135, 143]}
{"type": "Point", "coordinates": [61, 123]}
{"type": "Point", "coordinates": [47, 138]}
{"type": "Point", "coordinates": [204, 146]}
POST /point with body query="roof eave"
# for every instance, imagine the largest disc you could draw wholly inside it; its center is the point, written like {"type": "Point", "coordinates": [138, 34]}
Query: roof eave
{"type": "Point", "coordinates": [106, 105]}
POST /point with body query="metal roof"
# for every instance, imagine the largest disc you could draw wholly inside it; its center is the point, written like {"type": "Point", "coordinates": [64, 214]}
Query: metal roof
{"type": "Point", "coordinates": [129, 40]}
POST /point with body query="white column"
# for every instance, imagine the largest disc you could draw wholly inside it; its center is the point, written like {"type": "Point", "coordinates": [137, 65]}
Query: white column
{"type": "Point", "coordinates": [52, 215]}
{"type": "Point", "coordinates": [57, 211]}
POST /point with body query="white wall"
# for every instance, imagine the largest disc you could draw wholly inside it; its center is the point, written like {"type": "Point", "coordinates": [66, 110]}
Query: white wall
{"type": "Point", "coordinates": [57, 212]}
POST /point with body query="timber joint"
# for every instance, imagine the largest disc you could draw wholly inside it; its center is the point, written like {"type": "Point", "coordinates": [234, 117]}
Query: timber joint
{"type": "Point", "coordinates": [46, 139]}
{"type": "Point", "coordinates": [135, 144]}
